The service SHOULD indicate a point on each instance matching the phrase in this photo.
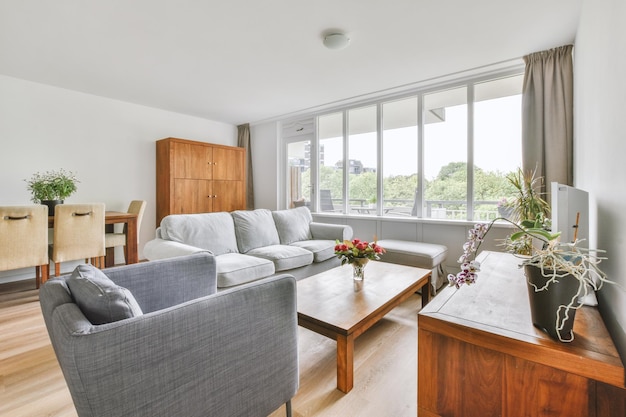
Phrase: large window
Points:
(497, 143)
(362, 159)
(445, 150)
(331, 151)
(400, 157)
(441, 154)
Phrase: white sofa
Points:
(251, 244)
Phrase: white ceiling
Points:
(239, 61)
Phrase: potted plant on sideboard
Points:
(558, 274)
(51, 187)
(527, 205)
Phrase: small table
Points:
(331, 304)
(114, 217)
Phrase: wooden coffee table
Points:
(332, 305)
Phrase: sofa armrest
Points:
(162, 249)
(163, 283)
(189, 359)
(326, 231)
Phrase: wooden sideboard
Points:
(198, 177)
(479, 355)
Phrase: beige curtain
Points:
(243, 141)
(547, 116)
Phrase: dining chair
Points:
(24, 239)
(78, 234)
(111, 240)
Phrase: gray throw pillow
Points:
(100, 299)
(293, 224)
(254, 229)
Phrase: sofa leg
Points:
(288, 408)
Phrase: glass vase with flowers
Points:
(358, 253)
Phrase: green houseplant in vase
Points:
(527, 205)
(51, 187)
(558, 274)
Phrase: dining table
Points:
(111, 218)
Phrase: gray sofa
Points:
(157, 339)
(251, 244)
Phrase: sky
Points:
(497, 138)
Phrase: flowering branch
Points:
(470, 266)
(555, 259)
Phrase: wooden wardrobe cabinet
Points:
(198, 177)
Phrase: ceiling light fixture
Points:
(336, 41)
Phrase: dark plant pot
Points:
(548, 307)
(51, 205)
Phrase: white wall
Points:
(600, 143)
(109, 144)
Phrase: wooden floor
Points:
(385, 366)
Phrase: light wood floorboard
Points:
(385, 366)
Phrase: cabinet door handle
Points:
(17, 218)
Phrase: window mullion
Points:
(419, 193)
(470, 151)
(314, 165)
(346, 162)
(379, 159)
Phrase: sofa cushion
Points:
(293, 225)
(284, 257)
(321, 249)
(211, 231)
(419, 254)
(254, 229)
(236, 268)
(99, 298)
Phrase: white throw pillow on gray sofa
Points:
(211, 231)
(293, 224)
(254, 229)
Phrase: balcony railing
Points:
(434, 209)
